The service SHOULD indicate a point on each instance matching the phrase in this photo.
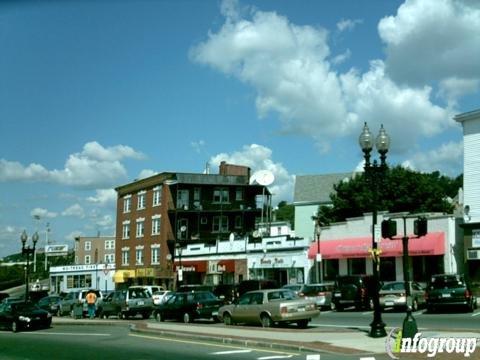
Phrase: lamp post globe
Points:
(366, 139)
(382, 141)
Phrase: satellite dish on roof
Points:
(256, 234)
(183, 228)
(262, 177)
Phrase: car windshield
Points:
(394, 286)
(447, 282)
(205, 296)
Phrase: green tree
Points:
(402, 190)
(285, 212)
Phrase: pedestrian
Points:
(91, 301)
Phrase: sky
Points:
(95, 94)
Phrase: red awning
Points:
(192, 266)
(430, 244)
(226, 266)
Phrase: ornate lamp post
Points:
(27, 250)
(375, 173)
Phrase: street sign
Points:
(377, 233)
(180, 274)
(56, 250)
(319, 257)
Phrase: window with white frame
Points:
(155, 255)
(220, 224)
(220, 195)
(109, 258)
(156, 222)
(126, 230)
(140, 228)
(87, 259)
(109, 244)
(125, 256)
(141, 196)
(139, 256)
(239, 194)
(157, 196)
(88, 245)
(127, 203)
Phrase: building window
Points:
(356, 266)
(79, 281)
(155, 255)
(156, 220)
(141, 200)
(88, 245)
(182, 199)
(239, 194)
(220, 224)
(140, 228)
(87, 259)
(76, 259)
(220, 195)
(109, 244)
(127, 203)
(157, 196)
(109, 258)
(238, 222)
(139, 256)
(196, 194)
(126, 230)
(125, 256)
(203, 220)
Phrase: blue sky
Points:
(94, 94)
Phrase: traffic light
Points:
(420, 226)
(389, 228)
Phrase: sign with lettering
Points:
(56, 250)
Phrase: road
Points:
(452, 321)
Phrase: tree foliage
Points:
(399, 190)
(285, 212)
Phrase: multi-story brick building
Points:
(178, 209)
(94, 250)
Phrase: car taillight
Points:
(301, 294)
(468, 294)
(199, 306)
(321, 293)
(283, 310)
(362, 292)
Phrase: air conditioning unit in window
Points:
(473, 255)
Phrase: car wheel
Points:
(227, 319)
(266, 321)
(146, 315)
(187, 318)
(14, 327)
(103, 315)
(332, 306)
(159, 316)
(72, 313)
(58, 313)
(302, 324)
(121, 315)
(338, 307)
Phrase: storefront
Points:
(76, 277)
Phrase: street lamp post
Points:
(27, 250)
(180, 268)
(375, 173)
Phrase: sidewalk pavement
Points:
(330, 340)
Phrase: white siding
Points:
(471, 180)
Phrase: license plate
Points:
(141, 303)
(446, 295)
(338, 295)
(389, 303)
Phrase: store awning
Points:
(430, 244)
(121, 276)
(192, 266)
(226, 266)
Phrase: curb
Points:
(248, 342)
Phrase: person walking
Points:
(91, 302)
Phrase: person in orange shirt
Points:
(91, 303)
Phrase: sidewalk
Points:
(330, 340)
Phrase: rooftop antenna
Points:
(264, 178)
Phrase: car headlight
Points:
(24, 318)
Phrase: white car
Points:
(159, 297)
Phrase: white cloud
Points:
(342, 57)
(348, 24)
(104, 197)
(71, 236)
(452, 89)
(429, 40)
(145, 173)
(105, 222)
(43, 213)
(75, 210)
(259, 157)
(447, 159)
(94, 167)
(198, 145)
(289, 66)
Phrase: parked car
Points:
(294, 287)
(3, 296)
(225, 292)
(321, 294)
(195, 287)
(189, 306)
(153, 288)
(251, 285)
(160, 297)
(447, 290)
(50, 303)
(267, 307)
(393, 294)
(16, 316)
(71, 302)
(126, 303)
(353, 290)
